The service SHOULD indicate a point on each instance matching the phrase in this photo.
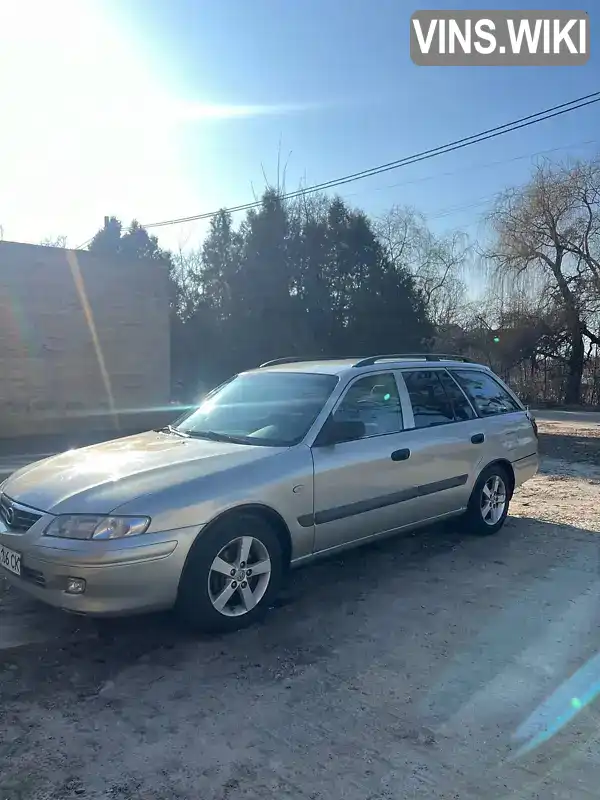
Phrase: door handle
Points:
(401, 455)
(478, 438)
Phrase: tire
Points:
(216, 593)
(483, 523)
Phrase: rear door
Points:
(508, 430)
(446, 442)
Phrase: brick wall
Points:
(84, 340)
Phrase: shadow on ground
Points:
(571, 444)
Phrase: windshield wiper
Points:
(214, 436)
(171, 429)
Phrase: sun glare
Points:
(81, 134)
(90, 128)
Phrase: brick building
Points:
(84, 340)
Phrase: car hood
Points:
(99, 478)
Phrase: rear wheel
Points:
(488, 506)
(232, 575)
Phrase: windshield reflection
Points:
(274, 408)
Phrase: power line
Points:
(458, 144)
(444, 212)
(475, 167)
(84, 244)
(490, 133)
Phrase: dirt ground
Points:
(571, 441)
(434, 665)
(567, 489)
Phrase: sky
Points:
(153, 110)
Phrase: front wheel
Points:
(488, 505)
(232, 575)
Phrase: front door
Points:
(358, 484)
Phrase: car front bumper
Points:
(119, 580)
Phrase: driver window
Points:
(374, 401)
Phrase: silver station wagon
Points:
(277, 466)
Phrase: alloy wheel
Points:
(239, 576)
(493, 500)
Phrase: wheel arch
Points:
(508, 467)
(259, 511)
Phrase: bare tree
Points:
(186, 274)
(436, 263)
(57, 241)
(547, 244)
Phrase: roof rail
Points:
(294, 359)
(288, 360)
(367, 362)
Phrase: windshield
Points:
(268, 408)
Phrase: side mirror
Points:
(336, 431)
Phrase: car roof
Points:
(343, 365)
(324, 366)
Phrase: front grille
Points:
(16, 517)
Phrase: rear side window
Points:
(486, 394)
(463, 410)
(430, 401)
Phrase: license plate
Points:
(10, 560)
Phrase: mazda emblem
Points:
(10, 515)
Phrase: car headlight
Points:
(95, 526)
